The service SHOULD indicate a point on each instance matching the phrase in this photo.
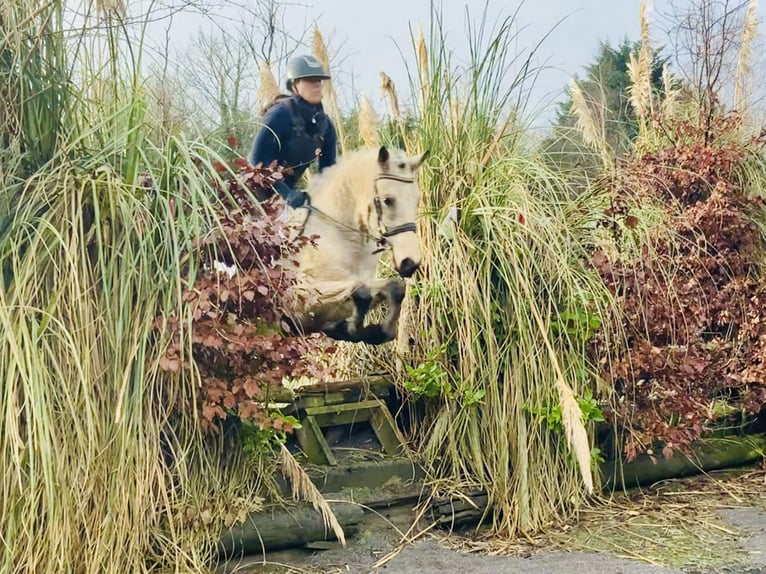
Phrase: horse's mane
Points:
(351, 176)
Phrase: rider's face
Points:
(310, 89)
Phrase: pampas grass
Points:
(330, 99)
(640, 71)
(368, 123)
(268, 89)
(591, 123)
(388, 88)
(423, 70)
(744, 60)
(670, 101)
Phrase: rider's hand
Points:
(293, 197)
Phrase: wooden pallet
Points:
(331, 404)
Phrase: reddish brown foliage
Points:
(694, 312)
(241, 344)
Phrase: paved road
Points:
(378, 537)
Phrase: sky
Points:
(366, 37)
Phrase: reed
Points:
(744, 70)
(100, 468)
(330, 98)
(482, 325)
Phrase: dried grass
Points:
(268, 89)
(676, 523)
(389, 93)
(304, 488)
(744, 60)
(330, 98)
(423, 70)
(368, 123)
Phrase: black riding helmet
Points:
(304, 67)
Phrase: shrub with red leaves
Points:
(694, 311)
(241, 344)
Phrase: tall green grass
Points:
(504, 305)
(98, 230)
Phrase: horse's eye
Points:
(389, 201)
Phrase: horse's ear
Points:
(419, 160)
(383, 155)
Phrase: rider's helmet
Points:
(304, 67)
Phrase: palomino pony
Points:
(361, 207)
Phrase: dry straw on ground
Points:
(676, 523)
(304, 488)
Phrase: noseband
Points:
(385, 232)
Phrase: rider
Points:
(296, 130)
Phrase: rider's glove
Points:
(293, 197)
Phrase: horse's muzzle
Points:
(408, 267)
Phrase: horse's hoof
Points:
(375, 335)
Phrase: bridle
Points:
(385, 232)
(381, 239)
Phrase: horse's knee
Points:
(396, 292)
(362, 297)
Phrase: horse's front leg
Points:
(392, 292)
(339, 309)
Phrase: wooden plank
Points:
(313, 444)
(319, 400)
(378, 381)
(385, 429)
(343, 414)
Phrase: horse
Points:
(359, 208)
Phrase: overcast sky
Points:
(369, 36)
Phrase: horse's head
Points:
(395, 206)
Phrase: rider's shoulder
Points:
(279, 106)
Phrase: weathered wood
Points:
(284, 527)
(384, 426)
(379, 386)
(454, 512)
(320, 400)
(704, 455)
(312, 442)
(362, 478)
(343, 414)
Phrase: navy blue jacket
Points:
(294, 132)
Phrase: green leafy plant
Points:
(578, 321)
(550, 411)
(261, 438)
(428, 380)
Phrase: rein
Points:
(385, 233)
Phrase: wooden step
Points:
(332, 404)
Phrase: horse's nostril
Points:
(408, 267)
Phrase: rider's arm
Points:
(329, 147)
(272, 135)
